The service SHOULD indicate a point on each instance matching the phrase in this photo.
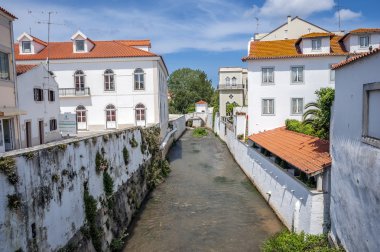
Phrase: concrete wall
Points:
(355, 200)
(316, 75)
(51, 182)
(299, 208)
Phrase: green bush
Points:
(108, 184)
(292, 242)
(126, 155)
(200, 132)
(299, 127)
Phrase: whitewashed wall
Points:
(352, 42)
(298, 207)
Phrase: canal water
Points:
(206, 204)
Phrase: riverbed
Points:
(206, 204)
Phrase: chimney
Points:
(289, 19)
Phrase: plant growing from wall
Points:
(30, 155)
(14, 201)
(8, 167)
(126, 155)
(118, 243)
(76, 144)
(108, 188)
(62, 147)
(94, 140)
(133, 142)
(90, 205)
(55, 177)
(100, 163)
(105, 138)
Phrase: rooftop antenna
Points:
(339, 19)
(257, 24)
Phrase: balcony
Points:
(73, 92)
(236, 86)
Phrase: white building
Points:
(201, 107)
(37, 93)
(232, 88)
(108, 84)
(9, 112)
(355, 149)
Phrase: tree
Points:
(230, 108)
(188, 86)
(318, 113)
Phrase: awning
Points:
(11, 111)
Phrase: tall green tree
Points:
(186, 87)
(318, 114)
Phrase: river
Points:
(206, 204)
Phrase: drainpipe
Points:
(15, 80)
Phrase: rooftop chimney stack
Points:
(289, 19)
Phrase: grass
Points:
(200, 132)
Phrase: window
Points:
(51, 95)
(316, 44)
(139, 79)
(268, 106)
(109, 80)
(53, 124)
(26, 46)
(4, 66)
(140, 112)
(267, 75)
(364, 41)
(81, 114)
(38, 94)
(228, 81)
(332, 74)
(371, 104)
(297, 106)
(111, 113)
(297, 74)
(79, 45)
(79, 80)
(233, 81)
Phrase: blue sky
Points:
(203, 34)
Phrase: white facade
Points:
(355, 215)
(352, 42)
(102, 91)
(201, 107)
(283, 91)
(40, 124)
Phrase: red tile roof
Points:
(307, 153)
(39, 41)
(317, 35)
(279, 49)
(355, 58)
(7, 13)
(365, 30)
(102, 49)
(201, 102)
(144, 42)
(20, 69)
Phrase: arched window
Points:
(110, 113)
(139, 79)
(233, 81)
(79, 80)
(109, 80)
(228, 81)
(140, 112)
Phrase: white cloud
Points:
(347, 14)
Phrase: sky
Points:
(200, 34)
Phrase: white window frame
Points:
(297, 101)
(233, 81)
(140, 112)
(303, 75)
(267, 75)
(366, 138)
(109, 80)
(23, 46)
(138, 81)
(228, 81)
(316, 44)
(360, 41)
(263, 100)
(81, 80)
(81, 113)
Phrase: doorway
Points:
(28, 131)
(41, 131)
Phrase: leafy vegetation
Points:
(8, 167)
(297, 126)
(188, 86)
(100, 162)
(230, 108)
(318, 113)
(292, 242)
(14, 201)
(107, 184)
(133, 142)
(126, 155)
(90, 205)
(200, 132)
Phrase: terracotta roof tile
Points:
(201, 102)
(278, 49)
(307, 153)
(317, 35)
(7, 13)
(365, 30)
(20, 69)
(102, 49)
(355, 58)
(144, 42)
(39, 41)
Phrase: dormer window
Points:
(79, 45)
(26, 46)
(364, 41)
(316, 44)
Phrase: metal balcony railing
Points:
(237, 86)
(74, 92)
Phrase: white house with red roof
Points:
(108, 84)
(37, 93)
(201, 107)
(355, 150)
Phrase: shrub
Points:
(292, 242)
(107, 184)
(100, 162)
(200, 132)
(14, 201)
(126, 155)
(8, 167)
(240, 137)
(299, 127)
(133, 142)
